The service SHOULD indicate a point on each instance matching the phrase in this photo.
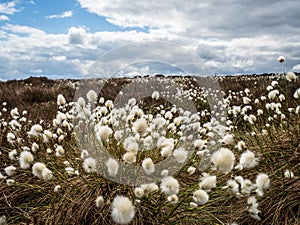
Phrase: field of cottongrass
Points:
(98, 156)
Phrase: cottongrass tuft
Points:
(262, 181)
(173, 199)
(140, 126)
(208, 182)
(180, 155)
(3, 220)
(10, 182)
(26, 158)
(47, 174)
(104, 132)
(169, 186)
(288, 174)
(112, 167)
(297, 93)
(123, 210)
(10, 170)
(290, 76)
(91, 96)
(223, 159)
(248, 160)
(200, 197)
(129, 157)
(61, 100)
(37, 169)
(89, 165)
(148, 166)
(35, 130)
(139, 192)
(99, 201)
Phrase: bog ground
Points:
(75, 155)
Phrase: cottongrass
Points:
(72, 179)
(123, 210)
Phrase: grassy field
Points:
(233, 160)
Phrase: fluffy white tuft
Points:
(169, 186)
(180, 155)
(148, 166)
(200, 197)
(26, 158)
(223, 159)
(37, 169)
(112, 167)
(89, 165)
(248, 160)
(123, 210)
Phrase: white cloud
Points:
(65, 14)
(36, 71)
(296, 68)
(59, 58)
(77, 35)
(8, 8)
(3, 17)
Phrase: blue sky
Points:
(67, 38)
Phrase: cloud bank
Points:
(229, 37)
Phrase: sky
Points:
(79, 38)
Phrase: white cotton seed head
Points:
(10, 170)
(272, 94)
(246, 100)
(47, 174)
(12, 154)
(166, 151)
(149, 188)
(223, 159)
(26, 158)
(37, 169)
(104, 132)
(91, 96)
(140, 126)
(288, 174)
(248, 160)
(208, 182)
(34, 147)
(57, 188)
(99, 201)
(61, 100)
(35, 130)
(10, 182)
(169, 186)
(297, 93)
(191, 170)
(59, 151)
(173, 199)
(129, 157)
(290, 76)
(139, 192)
(199, 144)
(11, 138)
(281, 59)
(123, 210)
(112, 167)
(180, 155)
(155, 95)
(241, 145)
(228, 139)
(262, 181)
(89, 165)
(148, 166)
(200, 197)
